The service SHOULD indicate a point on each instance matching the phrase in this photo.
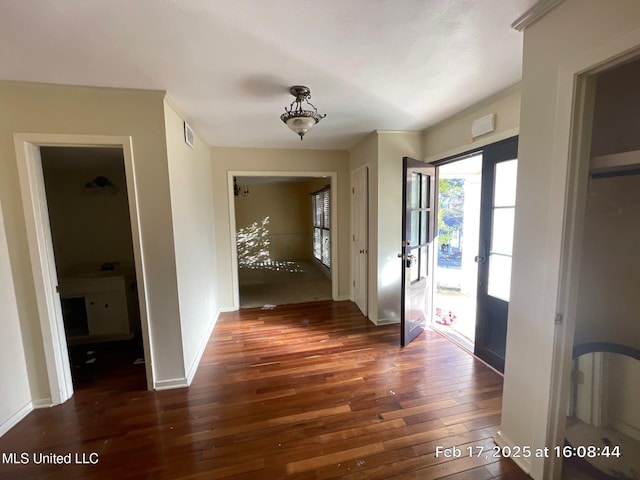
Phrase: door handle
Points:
(482, 257)
(408, 258)
(362, 250)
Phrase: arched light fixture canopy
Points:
(296, 117)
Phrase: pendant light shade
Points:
(296, 117)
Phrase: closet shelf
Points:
(616, 161)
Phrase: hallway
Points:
(300, 391)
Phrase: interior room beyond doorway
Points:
(283, 240)
(88, 210)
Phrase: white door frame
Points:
(333, 176)
(356, 233)
(34, 200)
(574, 112)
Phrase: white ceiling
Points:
(370, 64)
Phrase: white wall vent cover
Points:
(188, 135)
(483, 125)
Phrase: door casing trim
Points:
(27, 148)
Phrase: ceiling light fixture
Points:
(298, 119)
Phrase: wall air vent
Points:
(188, 135)
(483, 125)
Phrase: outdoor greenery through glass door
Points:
(458, 232)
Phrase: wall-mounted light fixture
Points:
(297, 118)
(239, 190)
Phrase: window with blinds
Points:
(321, 226)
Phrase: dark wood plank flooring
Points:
(310, 391)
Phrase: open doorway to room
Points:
(455, 296)
(283, 239)
(88, 208)
(603, 386)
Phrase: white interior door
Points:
(360, 244)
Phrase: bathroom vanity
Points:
(98, 307)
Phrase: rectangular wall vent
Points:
(483, 125)
(188, 135)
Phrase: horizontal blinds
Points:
(321, 204)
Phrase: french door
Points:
(497, 207)
(418, 220)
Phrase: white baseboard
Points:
(387, 321)
(227, 309)
(341, 298)
(13, 420)
(42, 403)
(523, 463)
(203, 345)
(170, 384)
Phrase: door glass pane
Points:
(424, 203)
(415, 190)
(415, 227)
(499, 276)
(415, 264)
(502, 230)
(424, 227)
(505, 184)
(424, 262)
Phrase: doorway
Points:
(604, 380)
(456, 276)
(476, 205)
(88, 209)
(283, 239)
(54, 345)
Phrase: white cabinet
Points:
(100, 308)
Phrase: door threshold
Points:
(463, 343)
(454, 337)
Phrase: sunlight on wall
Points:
(253, 243)
(254, 249)
(390, 272)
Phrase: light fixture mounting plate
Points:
(300, 91)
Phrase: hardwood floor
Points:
(310, 391)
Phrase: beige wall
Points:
(193, 236)
(382, 153)
(576, 35)
(287, 205)
(88, 227)
(281, 161)
(41, 108)
(392, 147)
(453, 136)
(15, 396)
(616, 120)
